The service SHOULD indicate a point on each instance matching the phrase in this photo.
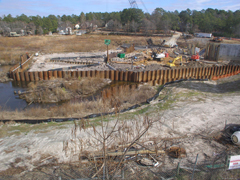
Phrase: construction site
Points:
(165, 118)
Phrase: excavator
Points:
(172, 63)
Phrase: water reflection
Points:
(11, 101)
(8, 100)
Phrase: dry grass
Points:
(56, 90)
(123, 99)
(11, 47)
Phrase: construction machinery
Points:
(173, 63)
(217, 39)
(195, 57)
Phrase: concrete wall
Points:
(229, 52)
(219, 51)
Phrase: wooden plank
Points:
(129, 153)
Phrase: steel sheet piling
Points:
(22, 76)
(26, 76)
(31, 76)
(112, 75)
(45, 75)
(140, 76)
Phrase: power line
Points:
(133, 4)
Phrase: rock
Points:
(146, 162)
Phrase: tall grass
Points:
(123, 99)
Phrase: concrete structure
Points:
(219, 51)
(229, 52)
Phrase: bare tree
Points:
(148, 27)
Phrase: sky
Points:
(69, 7)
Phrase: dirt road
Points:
(173, 40)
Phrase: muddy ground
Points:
(190, 114)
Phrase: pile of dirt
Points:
(58, 90)
(195, 64)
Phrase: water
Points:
(12, 102)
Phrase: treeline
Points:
(218, 22)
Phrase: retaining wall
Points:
(219, 51)
(25, 60)
(154, 77)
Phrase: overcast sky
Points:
(69, 7)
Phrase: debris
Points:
(229, 130)
(236, 138)
(146, 162)
(177, 152)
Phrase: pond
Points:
(11, 101)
